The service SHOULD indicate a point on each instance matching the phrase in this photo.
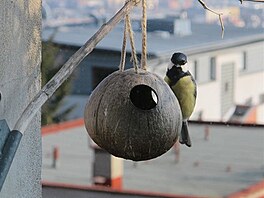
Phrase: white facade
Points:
(238, 80)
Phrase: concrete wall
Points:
(20, 48)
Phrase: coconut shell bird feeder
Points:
(133, 114)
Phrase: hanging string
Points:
(123, 52)
(128, 28)
(144, 35)
(132, 43)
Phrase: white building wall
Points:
(249, 86)
(208, 92)
(208, 100)
(248, 83)
(255, 53)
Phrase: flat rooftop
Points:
(231, 159)
(204, 37)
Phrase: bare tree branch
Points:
(259, 1)
(219, 15)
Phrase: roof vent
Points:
(174, 26)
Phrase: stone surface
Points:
(20, 24)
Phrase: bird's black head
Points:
(174, 74)
(179, 58)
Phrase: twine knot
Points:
(136, 2)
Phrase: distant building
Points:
(229, 71)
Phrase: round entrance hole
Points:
(143, 97)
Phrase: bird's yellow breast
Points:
(185, 90)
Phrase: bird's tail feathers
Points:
(185, 138)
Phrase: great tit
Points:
(184, 87)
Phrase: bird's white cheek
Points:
(184, 69)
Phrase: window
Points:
(261, 98)
(245, 60)
(195, 68)
(226, 87)
(212, 68)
